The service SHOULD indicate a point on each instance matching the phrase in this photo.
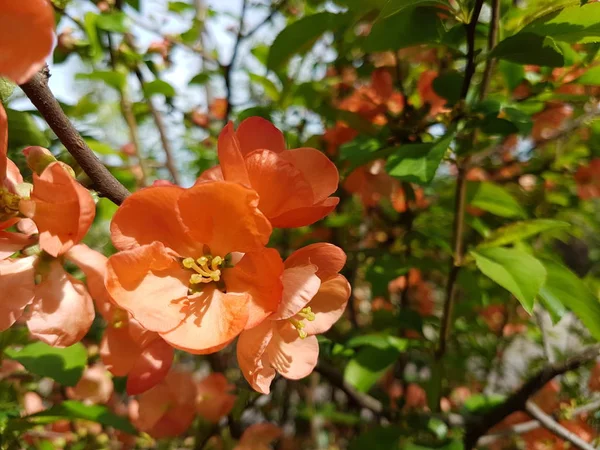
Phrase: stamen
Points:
(299, 325)
(306, 313)
(204, 272)
(9, 203)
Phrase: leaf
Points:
(590, 78)
(24, 131)
(111, 78)
(480, 403)
(494, 199)
(575, 25)
(371, 363)
(116, 22)
(516, 271)
(268, 86)
(100, 147)
(413, 27)
(418, 163)
(448, 85)
(180, 7)
(300, 36)
(381, 341)
(89, 23)
(519, 231)
(362, 150)
(201, 79)
(378, 438)
(395, 6)
(64, 365)
(513, 74)
(530, 48)
(158, 87)
(564, 287)
(71, 409)
(382, 270)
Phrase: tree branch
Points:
(550, 424)
(41, 96)
(492, 40)
(471, 31)
(477, 426)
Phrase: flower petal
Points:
(251, 347)
(64, 209)
(300, 285)
(213, 400)
(292, 357)
(150, 215)
(225, 217)
(17, 287)
(150, 367)
(153, 404)
(329, 259)
(93, 265)
(258, 274)
(231, 158)
(302, 217)
(27, 36)
(149, 283)
(118, 350)
(212, 174)
(259, 436)
(317, 169)
(3, 144)
(280, 185)
(94, 387)
(213, 319)
(11, 243)
(62, 311)
(256, 133)
(328, 305)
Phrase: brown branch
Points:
(477, 426)
(551, 425)
(471, 31)
(228, 69)
(41, 96)
(492, 40)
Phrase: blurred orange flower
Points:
(214, 400)
(259, 437)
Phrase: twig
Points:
(228, 69)
(358, 398)
(492, 40)
(471, 66)
(41, 96)
(477, 426)
(550, 424)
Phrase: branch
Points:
(42, 98)
(228, 69)
(492, 40)
(550, 424)
(358, 398)
(477, 426)
(471, 30)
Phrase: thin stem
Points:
(228, 69)
(42, 98)
(492, 40)
(471, 31)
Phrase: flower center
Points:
(9, 203)
(298, 321)
(207, 269)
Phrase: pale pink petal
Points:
(62, 311)
(251, 347)
(293, 357)
(151, 367)
(300, 284)
(329, 259)
(93, 265)
(16, 289)
(10, 243)
(94, 387)
(328, 305)
(27, 226)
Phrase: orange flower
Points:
(436, 103)
(294, 185)
(167, 409)
(259, 437)
(27, 34)
(218, 108)
(214, 400)
(588, 180)
(94, 387)
(549, 121)
(180, 272)
(371, 183)
(314, 298)
(594, 383)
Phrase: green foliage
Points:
(519, 231)
(495, 199)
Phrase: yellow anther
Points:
(9, 204)
(216, 262)
(198, 279)
(204, 272)
(302, 334)
(188, 263)
(306, 313)
(202, 260)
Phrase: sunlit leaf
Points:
(518, 231)
(494, 199)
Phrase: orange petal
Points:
(13, 242)
(212, 174)
(382, 82)
(256, 133)
(302, 217)
(118, 351)
(3, 143)
(258, 274)
(328, 305)
(149, 283)
(229, 220)
(292, 357)
(317, 169)
(150, 368)
(150, 215)
(213, 319)
(252, 359)
(213, 400)
(64, 209)
(27, 36)
(62, 311)
(93, 265)
(300, 285)
(231, 158)
(153, 404)
(17, 284)
(328, 258)
(259, 436)
(94, 387)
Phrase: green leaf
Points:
(590, 78)
(519, 231)
(116, 22)
(480, 403)
(89, 23)
(382, 270)
(111, 78)
(300, 36)
(201, 79)
(71, 409)
(413, 27)
(64, 365)
(395, 6)
(564, 287)
(378, 438)
(268, 86)
(513, 74)
(575, 25)
(370, 364)
(418, 163)
(530, 48)
(449, 85)
(158, 87)
(362, 150)
(494, 199)
(180, 7)
(100, 147)
(381, 341)
(24, 131)
(516, 271)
